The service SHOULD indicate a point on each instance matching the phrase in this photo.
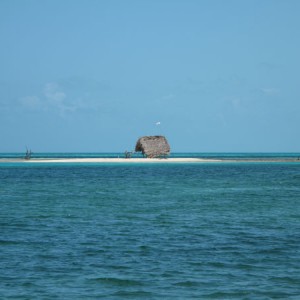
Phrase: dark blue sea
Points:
(228, 230)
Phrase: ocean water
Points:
(150, 231)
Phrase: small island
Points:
(154, 149)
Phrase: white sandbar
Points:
(120, 160)
(142, 160)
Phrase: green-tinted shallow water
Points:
(174, 231)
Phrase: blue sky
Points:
(93, 76)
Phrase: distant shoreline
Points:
(107, 160)
(142, 160)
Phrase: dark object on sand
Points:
(153, 146)
(128, 154)
(28, 154)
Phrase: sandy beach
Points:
(121, 160)
(111, 160)
(143, 160)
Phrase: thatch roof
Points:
(153, 146)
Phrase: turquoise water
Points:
(154, 231)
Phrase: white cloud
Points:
(168, 97)
(62, 99)
(236, 102)
(53, 94)
(31, 102)
(270, 91)
(56, 98)
(52, 98)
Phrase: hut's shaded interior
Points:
(153, 146)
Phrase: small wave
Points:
(286, 280)
(187, 283)
(131, 294)
(4, 242)
(227, 295)
(117, 281)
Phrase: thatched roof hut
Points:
(153, 146)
